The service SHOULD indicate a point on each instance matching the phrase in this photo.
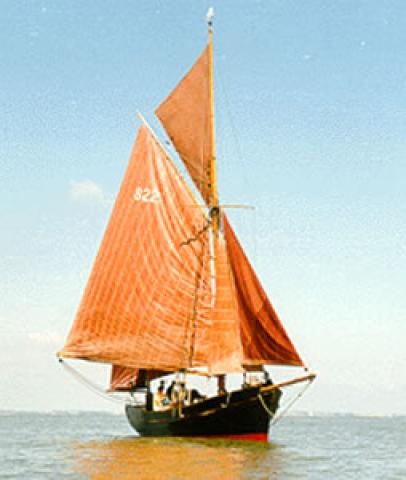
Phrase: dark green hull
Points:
(241, 414)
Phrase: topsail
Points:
(185, 115)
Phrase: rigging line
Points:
(240, 155)
(255, 238)
(264, 405)
(232, 124)
(283, 412)
(90, 385)
(196, 237)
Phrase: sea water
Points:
(102, 446)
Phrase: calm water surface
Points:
(102, 446)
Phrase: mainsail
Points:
(149, 301)
(141, 295)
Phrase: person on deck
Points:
(181, 391)
(169, 390)
(221, 385)
(159, 398)
(196, 396)
(267, 378)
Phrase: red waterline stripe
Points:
(257, 437)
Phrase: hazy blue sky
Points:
(311, 115)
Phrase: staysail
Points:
(185, 115)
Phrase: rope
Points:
(198, 234)
(267, 410)
(234, 132)
(283, 412)
(90, 385)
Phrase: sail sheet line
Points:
(91, 385)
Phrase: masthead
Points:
(209, 16)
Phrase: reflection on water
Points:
(82, 446)
(174, 458)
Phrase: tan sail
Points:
(150, 302)
(141, 295)
(218, 342)
(263, 336)
(123, 378)
(126, 378)
(185, 115)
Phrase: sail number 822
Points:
(146, 195)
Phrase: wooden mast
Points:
(214, 204)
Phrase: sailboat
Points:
(172, 290)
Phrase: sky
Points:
(310, 117)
